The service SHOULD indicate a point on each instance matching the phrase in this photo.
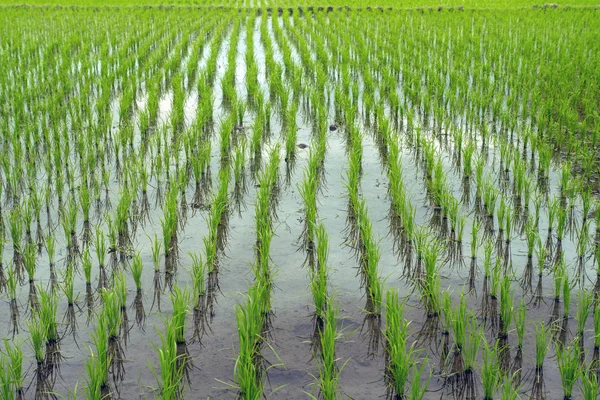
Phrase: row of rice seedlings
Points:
(228, 79)
(260, 130)
(427, 278)
(293, 71)
(253, 318)
(329, 370)
(313, 71)
(287, 100)
(249, 370)
(239, 176)
(278, 93)
(170, 243)
(199, 295)
(401, 361)
(402, 212)
(308, 191)
(205, 271)
(252, 83)
(326, 331)
(314, 104)
(319, 283)
(363, 243)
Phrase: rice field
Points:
(327, 201)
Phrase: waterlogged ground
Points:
(294, 370)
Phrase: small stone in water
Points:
(302, 146)
(333, 127)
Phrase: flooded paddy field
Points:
(299, 202)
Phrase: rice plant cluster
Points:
(288, 200)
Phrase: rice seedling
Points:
(97, 367)
(12, 285)
(16, 234)
(101, 251)
(520, 317)
(559, 273)
(466, 382)
(459, 324)
(137, 267)
(6, 385)
(506, 306)
(86, 263)
(29, 260)
(199, 293)
(584, 301)
(156, 248)
(430, 291)
(532, 238)
(170, 376)
(319, 278)
(447, 321)
(169, 229)
(589, 385)
(69, 319)
(249, 369)
(37, 335)
(14, 355)
(239, 175)
(509, 390)
(329, 370)
(308, 192)
(490, 371)
(180, 300)
(541, 349)
(69, 225)
(112, 318)
(399, 359)
(47, 316)
(120, 289)
(567, 359)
